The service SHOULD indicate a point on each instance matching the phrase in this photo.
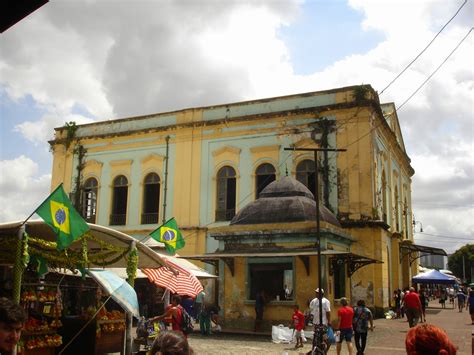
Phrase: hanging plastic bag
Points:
(331, 337)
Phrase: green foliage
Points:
(455, 262)
(71, 129)
(360, 93)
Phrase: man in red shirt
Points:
(344, 317)
(298, 323)
(412, 307)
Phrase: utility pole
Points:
(318, 340)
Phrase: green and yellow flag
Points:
(59, 213)
(170, 235)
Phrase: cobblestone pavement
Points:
(388, 338)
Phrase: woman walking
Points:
(362, 319)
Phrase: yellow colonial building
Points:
(246, 205)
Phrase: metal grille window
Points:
(226, 194)
(265, 174)
(151, 199)
(89, 200)
(119, 201)
(305, 174)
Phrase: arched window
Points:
(305, 174)
(119, 201)
(226, 194)
(151, 199)
(89, 200)
(265, 174)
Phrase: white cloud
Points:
(153, 56)
(21, 189)
(40, 131)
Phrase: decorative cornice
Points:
(151, 157)
(226, 149)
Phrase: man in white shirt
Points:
(314, 306)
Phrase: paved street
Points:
(387, 339)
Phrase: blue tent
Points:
(433, 277)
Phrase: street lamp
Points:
(318, 341)
(417, 222)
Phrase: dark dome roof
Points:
(285, 200)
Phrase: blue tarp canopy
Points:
(433, 277)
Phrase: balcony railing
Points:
(117, 219)
(149, 218)
(225, 215)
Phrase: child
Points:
(298, 323)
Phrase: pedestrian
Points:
(326, 314)
(451, 295)
(362, 318)
(170, 342)
(314, 306)
(442, 299)
(397, 300)
(461, 297)
(345, 315)
(12, 318)
(428, 339)
(214, 313)
(298, 324)
(402, 304)
(424, 303)
(412, 307)
(470, 305)
(174, 313)
(205, 320)
(259, 306)
(198, 301)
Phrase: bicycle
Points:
(323, 348)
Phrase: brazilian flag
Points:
(59, 213)
(170, 235)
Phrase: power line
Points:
(435, 204)
(444, 236)
(399, 107)
(429, 44)
(444, 61)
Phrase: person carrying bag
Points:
(360, 325)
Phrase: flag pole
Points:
(26, 220)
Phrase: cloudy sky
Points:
(88, 60)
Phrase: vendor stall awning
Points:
(354, 261)
(415, 251)
(106, 246)
(433, 277)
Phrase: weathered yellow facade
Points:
(367, 187)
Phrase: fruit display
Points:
(40, 296)
(109, 322)
(114, 315)
(44, 308)
(45, 341)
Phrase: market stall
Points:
(35, 246)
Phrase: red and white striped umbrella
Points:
(182, 282)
